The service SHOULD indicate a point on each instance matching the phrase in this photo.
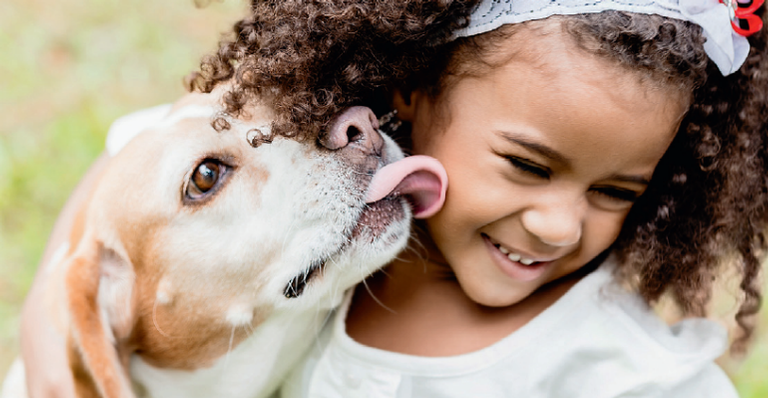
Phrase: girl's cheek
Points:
(606, 228)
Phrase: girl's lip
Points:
(514, 269)
(521, 253)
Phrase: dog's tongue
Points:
(421, 178)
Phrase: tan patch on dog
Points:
(182, 338)
(185, 332)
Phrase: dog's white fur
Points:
(192, 297)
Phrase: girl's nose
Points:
(557, 223)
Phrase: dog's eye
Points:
(204, 178)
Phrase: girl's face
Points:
(545, 156)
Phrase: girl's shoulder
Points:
(598, 340)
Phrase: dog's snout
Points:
(354, 128)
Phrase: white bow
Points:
(727, 49)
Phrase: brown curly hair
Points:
(312, 59)
(706, 204)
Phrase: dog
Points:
(202, 266)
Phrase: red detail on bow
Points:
(744, 14)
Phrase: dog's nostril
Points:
(354, 134)
(355, 125)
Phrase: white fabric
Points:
(597, 341)
(15, 383)
(727, 49)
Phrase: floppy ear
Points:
(101, 304)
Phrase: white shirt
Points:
(596, 341)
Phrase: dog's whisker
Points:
(333, 261)
(288, 234)
(316, 333)
(320, 326)
(229, 349)
(376, 299)
(384, 272)
(154, 321)
(360, 173)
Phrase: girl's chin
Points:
(497, 299)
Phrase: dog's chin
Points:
(377, 219)
(380, 232)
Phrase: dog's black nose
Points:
(355, 128)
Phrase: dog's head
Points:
(193, 236)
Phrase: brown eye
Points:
(204, 178)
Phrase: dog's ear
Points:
(100, 295)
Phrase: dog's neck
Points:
(252, 369)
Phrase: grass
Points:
(68, 69)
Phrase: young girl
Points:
(600, 155)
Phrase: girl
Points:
(600, 156)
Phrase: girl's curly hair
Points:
(312, 59)
(706, 204)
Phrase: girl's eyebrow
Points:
(553, 155)
(541, 149)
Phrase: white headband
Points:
(725, 47)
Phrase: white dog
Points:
(203, 267)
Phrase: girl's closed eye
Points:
(617, 193)
(614, 198)
(606, 196)
(529, 167)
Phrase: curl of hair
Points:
(707, 203)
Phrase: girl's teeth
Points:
(515, 257)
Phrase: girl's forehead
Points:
(548, 49)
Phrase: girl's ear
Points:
(405, 103)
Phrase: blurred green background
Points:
(67, 70)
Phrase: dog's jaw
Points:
(382, 225)
(361, 237)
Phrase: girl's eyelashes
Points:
(611, 196)
(617, 194)
(529, 167)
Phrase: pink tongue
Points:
(420, 177)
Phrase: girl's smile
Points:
(545, 156)
(517, 266)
